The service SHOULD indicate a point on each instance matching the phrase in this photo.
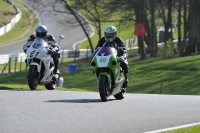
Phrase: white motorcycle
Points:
(40, 65)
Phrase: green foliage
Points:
(169, 50)
(106, 18)
(123, 31)
(193, 129)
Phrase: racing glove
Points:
(120, 59)
(51, 51)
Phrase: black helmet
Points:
(41, 31)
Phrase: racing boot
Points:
(125, 84)
(56, 68)
(26, 62)
(56, 73)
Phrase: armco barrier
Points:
(83, 53)
(73, 54)
(11, 25)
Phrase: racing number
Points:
(36, 54)
(102, 60)
(33, 53)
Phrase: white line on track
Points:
(173, 128)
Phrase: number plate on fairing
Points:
(103, 61)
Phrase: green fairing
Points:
(113, 65)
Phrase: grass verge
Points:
(178, 76)
(5, 10)
(23, 28)
(193, 129)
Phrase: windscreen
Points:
(38, 42)
(105, 51)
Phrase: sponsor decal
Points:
(116, 71)
(36, 46)
(102, 60)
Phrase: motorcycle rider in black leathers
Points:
(41, 31)
(110, 39)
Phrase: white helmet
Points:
(110, 33)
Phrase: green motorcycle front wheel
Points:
(103, 88)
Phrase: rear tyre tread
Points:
(51, 85)
(120, 95)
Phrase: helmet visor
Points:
(41, 34)
(109, 35)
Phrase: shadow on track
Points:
(79, 100)
(18, 89)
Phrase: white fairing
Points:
(103, 61)
(39, 49)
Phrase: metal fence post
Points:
(20, 67)
(4, 68)
(15, 63)
(75, 55)
(87, 52)
(9, 65)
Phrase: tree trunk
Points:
(139, 12)
(179, 26)
(153, 48)
(193, 28)
(76, 15)
(185, 28)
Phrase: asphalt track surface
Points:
(26, 111)
(83, 112)
(56, 25)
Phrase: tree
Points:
(142, 12)
(151, 29)
(166, 6)
(194, 24)
(185, 29)
(97, 12)
(79, 20)
(139, 15)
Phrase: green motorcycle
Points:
(109, 74)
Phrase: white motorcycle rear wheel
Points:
(51, 85)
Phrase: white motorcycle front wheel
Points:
(33, 77)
